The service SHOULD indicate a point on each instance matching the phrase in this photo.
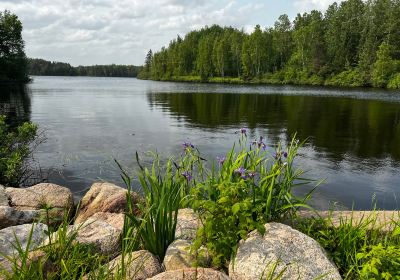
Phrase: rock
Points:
(139, 265)
(300, 255)
(8, 237)
(114, 219)
(191, 274)
(9, 216)
(187, 225)
(100, 234)
(382, 220)
(179, 255)
(4, 199)
(103, 197)
(38, 195)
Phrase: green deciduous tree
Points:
(12, 55)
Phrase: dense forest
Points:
(12, 54)
(41, 67)
(355, 43)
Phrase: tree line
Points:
(354, 43)
(41, 67)
(12, 54)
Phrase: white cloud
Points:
(122, 31)
(307, 5)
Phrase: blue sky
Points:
(85, 32)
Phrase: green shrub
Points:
(380, 262)
(348, 78)
(248, 189)
(394, 82)
(356, 247)
(15, 151)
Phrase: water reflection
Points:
(15, 103)
(339, 127)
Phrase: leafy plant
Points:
(163, 192)
(249, 188)
(380, 262)
(358, 247)
(15, 151)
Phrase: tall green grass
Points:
(361, 248)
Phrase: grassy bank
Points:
(348, 79)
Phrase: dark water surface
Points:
(353, 135)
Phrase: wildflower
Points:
(221, 160)
(241, 171)
(260, 143)
(251, 174)
(242, 131)
(285, 154)
(187, 175)
(187, 145)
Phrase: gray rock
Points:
(103, 197)
(10, 235)
(139, 265)
(188, 223)
(104, 237)
(9, 216)
(191, 274)
(114, 219)
(180, 255)
(4, 199)
(300, 256)
(37, 196)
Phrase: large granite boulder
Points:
(37, 196)
(103, 197)
(298, 255)
(4, 199)
(188, 223)
(180, 255)
(100, 234)
(27, 234)
(139, 265)
(10, 216)
(191, 274)
(114, 219)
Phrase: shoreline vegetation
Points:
(41, 67)
(351, 44)
(237, 220)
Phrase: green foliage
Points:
(394, 83)
(348, 45)
(12, 55)
(164, 188)
(41, 67)
(380, 262)
(15, 151)
(349, 78)
(384, 66)
(361, 250)
(249, 189)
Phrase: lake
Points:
(353, 136)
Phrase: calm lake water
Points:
(353, 135)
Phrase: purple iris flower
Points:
(241, 171)
(187, 145)
(260, 143)
(242, 131)
(221, 160)
(187, 175)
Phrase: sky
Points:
(87, 32)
